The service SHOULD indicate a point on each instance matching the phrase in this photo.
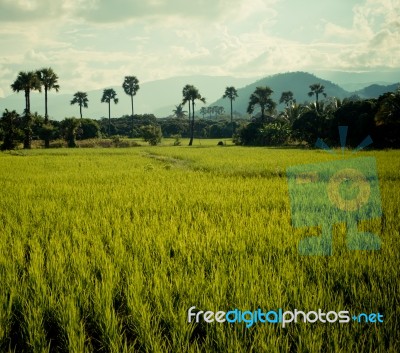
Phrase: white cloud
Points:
(95, 43)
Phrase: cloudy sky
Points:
(93, 44)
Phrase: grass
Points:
(104, 250)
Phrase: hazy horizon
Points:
(91, 45)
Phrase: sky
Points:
(93, 44)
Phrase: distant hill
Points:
(297, 82)
(374, 91)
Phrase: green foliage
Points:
(69, 128)
(81, 99)
(89, 129)
(190, 95)
(151, 134)
(275, 134)
(261, 97)
(107, 252)
(10, 124)
(177, 141)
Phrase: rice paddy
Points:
(105, 250)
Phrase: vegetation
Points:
(231, 93)
(190, 95)
(131, 86)
(81, 99)
(109, 95)
(27, 82)
(261, 97)
(108, 251)
(296, 123)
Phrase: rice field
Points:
(105, 250)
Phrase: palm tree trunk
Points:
(46, 116)
(192, 125)
(46, 119)
(132, 114)
(28, 135)
(109, 118)
(80, 110)
(232, 119)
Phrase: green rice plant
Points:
(105, 250)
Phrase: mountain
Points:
(157, 97)
(354, 81)
(297, 82)
(375, 90)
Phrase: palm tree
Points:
(293, 112)
(316, 89)
(186, 98)
(81, 99)
(27, 82)
(191, 94)
(287, 98)
(231, 93)
(109, 95)
(49, 80)
(261, 97)
(179, 112)
(131, 86)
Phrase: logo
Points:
(339, 191)
(280, 317)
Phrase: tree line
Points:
(297, 123)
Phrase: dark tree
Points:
(261, 97)
(191, 94)
(49, 80)
(131, 86)
(316, 89)
(81, 99)
(231, 93)
(109, 95)
(287, 98)
(27, 82)
(10, 123)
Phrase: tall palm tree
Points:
(109, 95)
(27, 82)
(316, 89)
(186, 99)
(231, 93)
(81, 99)
(49, 80)
(131, 86)
(261, 97)
(191, 94)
